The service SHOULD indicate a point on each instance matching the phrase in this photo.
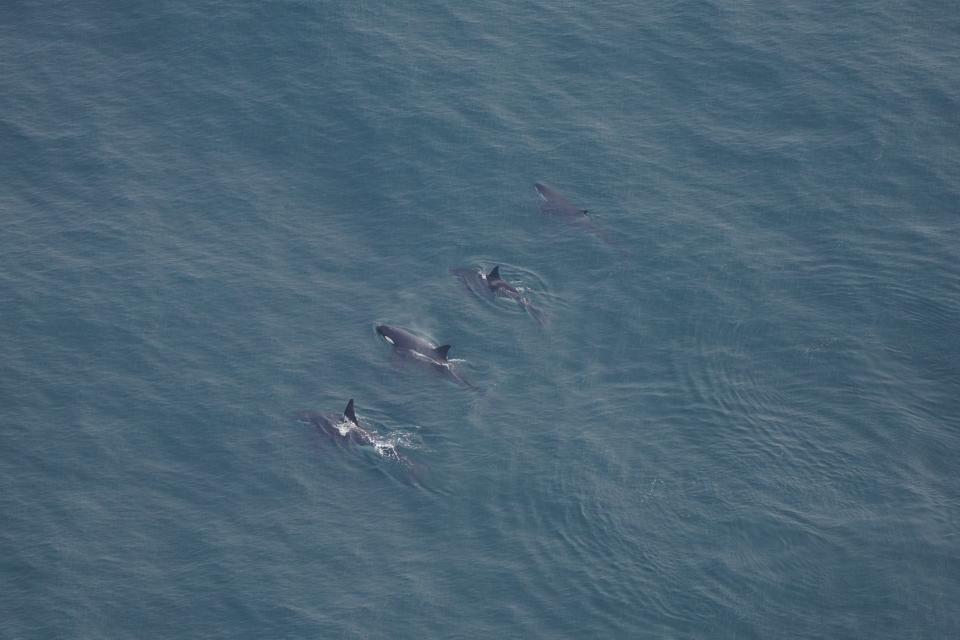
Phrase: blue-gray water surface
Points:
(739, 418)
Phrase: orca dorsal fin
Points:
(442, 351)
(349, 414)
(495, 274)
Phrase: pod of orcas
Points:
(345, 429)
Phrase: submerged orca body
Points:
(422, 350)
(556, 205)
(345, 429)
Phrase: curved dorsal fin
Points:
(349, 414)
(495, 274)
(442, 351)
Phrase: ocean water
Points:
(740, 417)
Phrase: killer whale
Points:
(492, 285)
(500, 287)
(556, 205)
(403, 340)
(345, 429)
(408, 344)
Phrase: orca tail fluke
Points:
(536, 313)
(460, 380)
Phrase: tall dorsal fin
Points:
(349, 414)
(442, 351)
(495, 274)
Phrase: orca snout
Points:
(385, 332)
